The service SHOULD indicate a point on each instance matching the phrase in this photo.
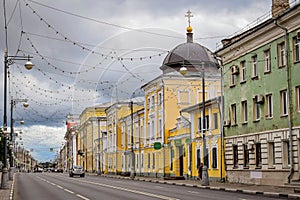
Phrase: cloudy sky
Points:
(90, 52)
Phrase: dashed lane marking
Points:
(69, 191)
(80, 196)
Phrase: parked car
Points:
(77, 171)
(57, 170)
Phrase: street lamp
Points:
(13, 103)
(132, 171)
(8, 60)
(183, 70)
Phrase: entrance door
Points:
(180, 151)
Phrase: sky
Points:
(91, 52)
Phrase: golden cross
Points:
(189, 15)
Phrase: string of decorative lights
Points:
(84, 47)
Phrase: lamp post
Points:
(13, 103)
(8, 60)
(132, 171)
(183, 70)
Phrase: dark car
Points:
(76, 171)
(57, 170)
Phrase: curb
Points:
(251, 192)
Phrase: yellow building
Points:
(210, 138)
(118, 132)
(171, 92)
(90, 137)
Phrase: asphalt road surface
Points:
(57, 186)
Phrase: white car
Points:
(77, 170)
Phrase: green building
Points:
(261, 68)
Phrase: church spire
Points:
(189, 29)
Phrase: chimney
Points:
(279, 6)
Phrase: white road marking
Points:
(59, 186)
(193, 192)
(78, 195)
(69, 191)
(132, 191)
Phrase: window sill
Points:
(246, 167)
(267, 72)
(271, 167)
(254, 77)
(243, 81)
(281, 66)
(231, 86)
(256, 120)
(234, 124)
(258, 167)
(282, 116)
(244, 123)
(269, 118)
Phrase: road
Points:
(56, 186)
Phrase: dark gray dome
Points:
(189, 53)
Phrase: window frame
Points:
(233, 114)
(281, 55)
(269, 106)
(254, 63)
(244, 111)
(235, 156)
(243, 71)
(296, 49)
(297, 93)
(284, 103)
(233, 78)
(267, 61)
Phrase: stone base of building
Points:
(276, 177)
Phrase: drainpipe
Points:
(289, 99)
(164, 128)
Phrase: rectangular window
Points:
(246, 155)
(198, 157)
(199, 124)
(214, 158)
(171, 158)
(298, 98)
(153, 161)
(233, 114)
(142, 160)
(148, 160)
(152, 101)
(258, 159)
(235, 155)
(149, 103)
(296, 49)
(271, 154)
(254, 66)
(243, 71)
(281, 55)
(206, 122)
(256, 110)
(285, 154)
(233, 75)
(244, 112)
(283, 103)
(269, 106)
(267, 60)
(206, 158)
(160, 128)
(216, 121)
(159, 98)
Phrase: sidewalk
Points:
(264, 190)
(6, 194)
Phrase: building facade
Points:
(261, 94)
